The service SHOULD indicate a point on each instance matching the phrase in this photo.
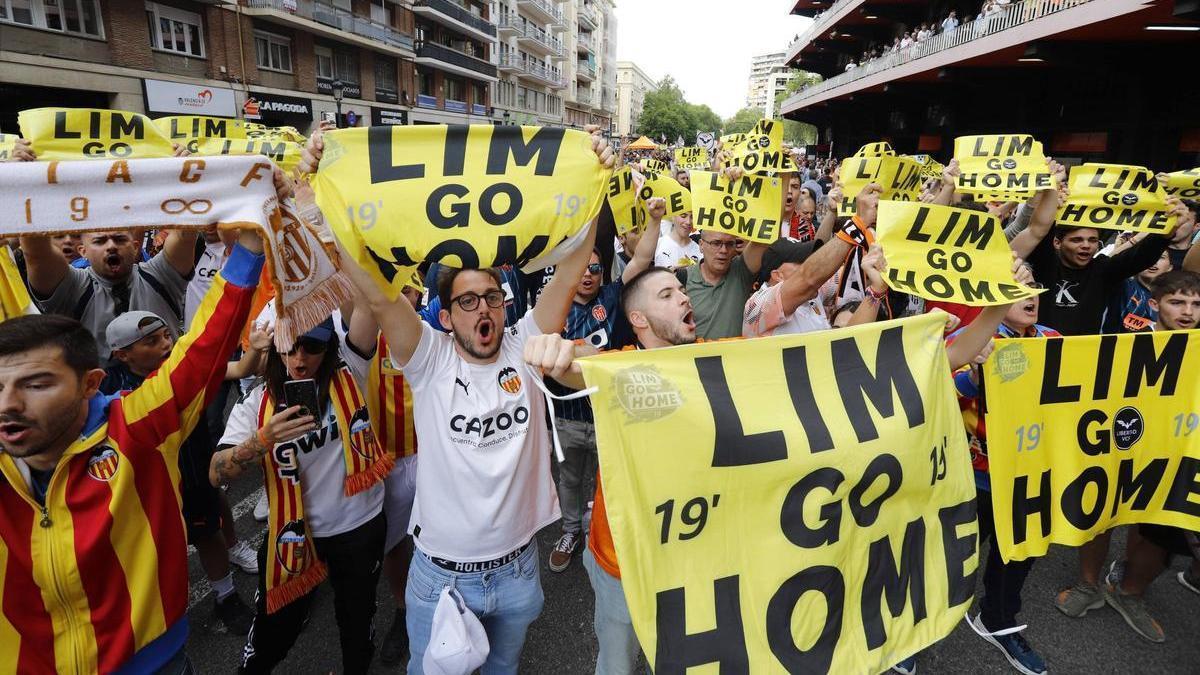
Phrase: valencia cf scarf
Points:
(293, 569)
(390, 402)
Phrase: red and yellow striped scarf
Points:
(292, 565)
(390, 401)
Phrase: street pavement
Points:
(561, 641)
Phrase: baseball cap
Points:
(130, 327)
(322, 332)
(784, 251)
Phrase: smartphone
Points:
(304, 394)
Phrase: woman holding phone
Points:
(307, 424)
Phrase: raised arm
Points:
(832, 201)
(815, 271)
(1045, 207)
(643, 256)
(180, 251)
(45, 267)
(973, 339)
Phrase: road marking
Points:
(200, 589)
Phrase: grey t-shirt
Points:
(153, 286)
(718, 309)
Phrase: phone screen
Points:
(304, 394)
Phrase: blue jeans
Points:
(506, 600)
(619, 647)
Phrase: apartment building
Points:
(406, 62)
(769, 75)
(591, 66)
(632, 85)
(531, 57)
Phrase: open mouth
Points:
(112, 261)
(486, 330)
(689, 320)
(14, 432)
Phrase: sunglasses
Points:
(310, 346)
(595, 268)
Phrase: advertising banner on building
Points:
(178, 98)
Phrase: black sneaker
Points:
(395, 643)
(234, 614)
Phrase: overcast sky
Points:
(706, 45)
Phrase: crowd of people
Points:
(149, 349)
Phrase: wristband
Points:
(262, 440)
(877, 296)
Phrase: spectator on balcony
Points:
(950, 22)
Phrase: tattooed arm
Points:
(229, 462)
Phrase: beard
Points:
(670, 332)
(466, 341)
(50, 437)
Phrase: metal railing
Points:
(538, 35)
(1016, 14)
(588, 13)
(546, 8)
(584, 40)
(458, 14)
(540, 70)
(510, 20)
(585, 69)
(445, 54)
(336, 17)
(819, 24)
(583, 96)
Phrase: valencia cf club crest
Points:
(362, 437)
(103, 463)
(291, 547)
(599, 313)
(509, 381)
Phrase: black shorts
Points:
(201, 501)
(1176, 541)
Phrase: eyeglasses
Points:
(1037, 285)
(595, 268)
(728, 245)
(310, 346)
(470, 301)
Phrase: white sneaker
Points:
(244, 557)
(260, 508)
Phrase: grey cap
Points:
(130, 327)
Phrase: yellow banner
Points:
(14, 297)
(678, 198)
(691, 158)
(1092, 432)
(191, 129)
(465, 196)
(1115, 197)
(748, 208)
(1003, 167)
(255, 130)
(762, 151)
(900, 178)
(86, 133)
(730, 141)
(836, 534)
(285, 154)
(622, 196)
(1183, 184)
(7, 143)
(654, 165)
(946, 253)
(880, 149)
(930, 167)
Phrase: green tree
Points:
(797, 133)
(665, 112)
(743, 120)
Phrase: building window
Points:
(324, 62)
(67, 16)
(345, 66)
(425, 82)
(455, 91)
(385, 75)
(174, 30)
(273, 52)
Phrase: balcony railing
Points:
(478, 109)
(584, 97)
(1016, 14)
(445, 54)
(585, 70)
(511, 61)
(510, 22)
(339, 18)
(545, 10)
(546, 40)
(426, 101)
(447, 8)
(542, 72)
(819, 24)
(589, 17)
(583, 42)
